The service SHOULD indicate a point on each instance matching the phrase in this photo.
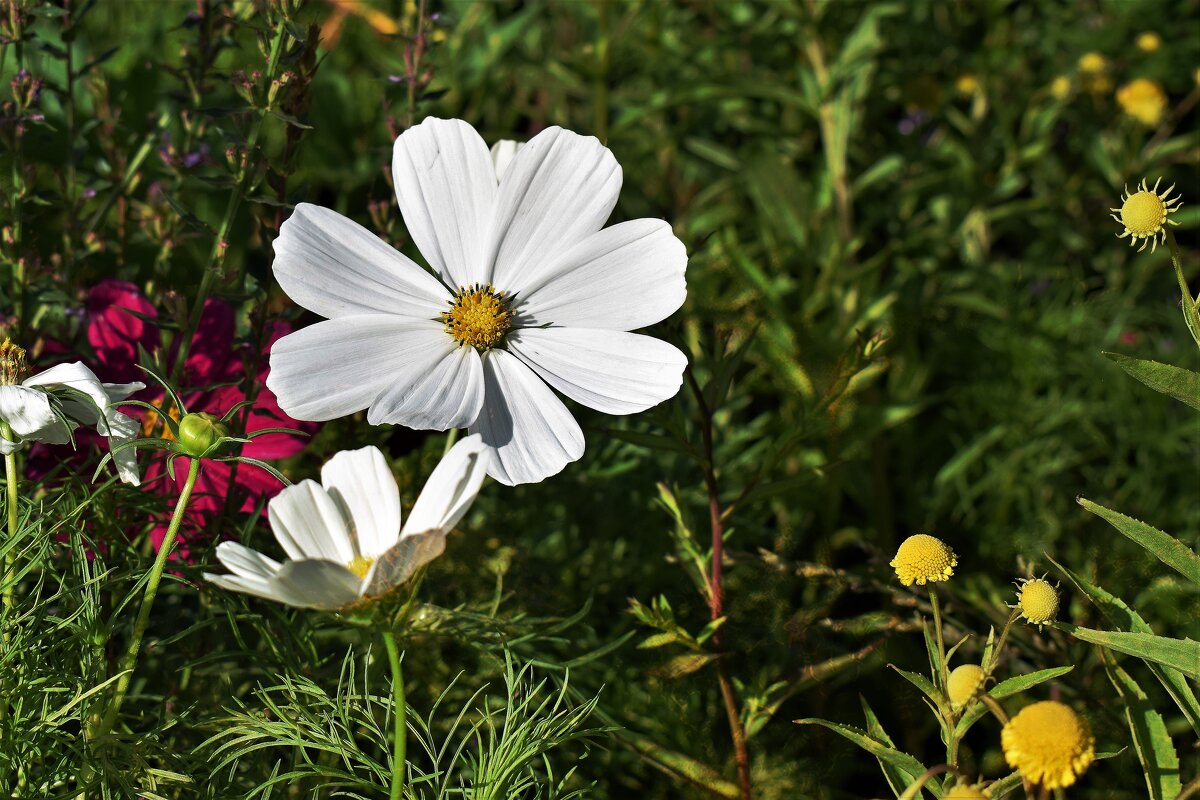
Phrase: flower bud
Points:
(198, 432)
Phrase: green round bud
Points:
(198, 432)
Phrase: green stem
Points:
(937, 625)
(451, 438)
(143, 618)
(1191, 306)
(11, 477)
(401, 714)
(991, 665)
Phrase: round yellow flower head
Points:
(1060, 87)
(963, 791)
(964, 682)
(1037, 600)
(1049, 744)
(1144, 100)
(1148, 42)
(924, 558)
(1093, 62)
(1145, 214)
(966, 85)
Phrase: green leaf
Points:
(1182, 384)
(684, 664)
(922, 683)
(1180, 654)
(1007, 688)
(1122, 616)
(1160, 763)
(905, 763)
(894, 775)
(1172, 552)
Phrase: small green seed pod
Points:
(198, 432)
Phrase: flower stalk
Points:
(129, 661)
(399, 747)
(11, 478)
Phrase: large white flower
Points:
(342, 536)
(27, 408)
(533, 295)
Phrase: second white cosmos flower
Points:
(342, 536)
(533, 294)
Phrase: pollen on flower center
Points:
(360, 566)
(479, 316)
(12, 363)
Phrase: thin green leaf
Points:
(1172, 552)
(1182, 384)
(1160, 763)
(1180, 654)
(896, 778)
(902, 761)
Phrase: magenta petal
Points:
(212, 348)
(114, 333)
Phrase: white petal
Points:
(308, 524)
(503, 153)
(26, 410)
(339, 366)
(119, 391)
(258, 587)
(320, 584)
(445, 391)
(530, 431)
(243, 561)
(362, 485)
(625, 277)
(122, 428)
(399, 563)
(610, 371)
(335, 267)
(559, 188)
(446, 186)
(78, 377)
(451, 488)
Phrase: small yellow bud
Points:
(964, 791)
(1093, 62)
(1060, 87)
(1148, 42)
(963, 684)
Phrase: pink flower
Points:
(120, 319)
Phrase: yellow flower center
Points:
(924, 558)
(152, 421)
(360, 566)
(1049, 743)
(1143, 213)
(479, 316)
(1039, 601)
(12, 363)
(962, 684)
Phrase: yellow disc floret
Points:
(964, 791)
(360, 566)
(963, 684)
(1146, 213)
(922, 559)
(12, 363)
(1144, 100)
(1037, 600)
(1049, 744)
(479, 316)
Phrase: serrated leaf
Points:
(1007, 688)
(905, 763)
(1177, 382)
(1122, 616)
(894, 775)
(1151, 742)
(1172, 552)
(1180, 654)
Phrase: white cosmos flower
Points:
(533, 295)
(342, 536)
(26, 408)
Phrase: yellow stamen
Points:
(152, 421)
(12, 363)
(360, 566)
(479, 316)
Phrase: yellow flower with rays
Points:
(1146, 213)
(1049, 744)
(922, 559)
(1144, 100)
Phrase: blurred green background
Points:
(930, 176)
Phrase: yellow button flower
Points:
(1093, 62)
(923, 558)
(1145, 214)
(1038, 601)
(1049, 744)
(964, 682)
(1060, 87)
(1148, 42)
(964, 791)
(1144, 100)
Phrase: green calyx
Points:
(199, 432)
